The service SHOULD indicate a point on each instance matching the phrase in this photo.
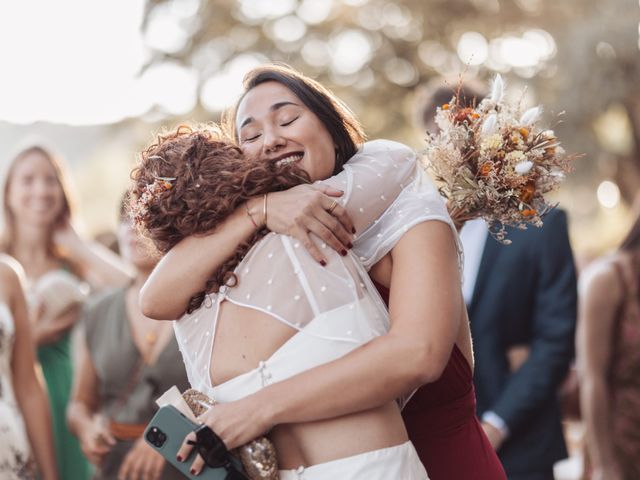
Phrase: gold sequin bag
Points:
(258, 457)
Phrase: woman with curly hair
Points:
(271, 312)
(284, 115)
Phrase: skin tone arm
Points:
(49, 330)
(95, 438)
(600, 295)
(141, 462)
(99, 265)
(30, 396)
(414, 351)
(182, 269)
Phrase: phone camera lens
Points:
(156, 437)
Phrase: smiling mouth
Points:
(294, 157)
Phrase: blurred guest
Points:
(23, 402)
(109, 239)
(126, 361)
(522, 307)
(38, 233)
(608, 351)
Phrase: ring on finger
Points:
(332, 207)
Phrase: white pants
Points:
(398, 462)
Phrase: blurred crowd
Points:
(550, 351)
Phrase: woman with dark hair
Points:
(608, 358)
(403, 250)
(38, 232)
(271, 312)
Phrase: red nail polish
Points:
(343, 252)
(353, 230)
(193, 471)
(179, 458)
(323, 263)
(349, 245)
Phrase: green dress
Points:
(57, 368)
(55, 359)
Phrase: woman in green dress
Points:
(60, 268)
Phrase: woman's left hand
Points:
(141, 463)
(236, 423)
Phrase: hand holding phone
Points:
(166, 433)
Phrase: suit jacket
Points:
(525, 294)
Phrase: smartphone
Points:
(166, 432)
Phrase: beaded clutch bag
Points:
(258, 457)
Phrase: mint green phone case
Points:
(169, 424)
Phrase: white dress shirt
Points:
(474, 238)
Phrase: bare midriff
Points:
(246, 336)
(311, 443)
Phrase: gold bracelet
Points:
(246, 205)
(264, 209)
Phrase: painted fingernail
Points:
(343, 252)
(179, 458)
(349, 245)
(353, 230)
(323, 263)
(193, 471)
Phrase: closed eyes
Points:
(257, 135)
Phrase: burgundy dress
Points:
(442, 424)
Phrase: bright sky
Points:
(79, 61)
(76, 62)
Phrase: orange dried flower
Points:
(526, 195)
(485, 169)
(529, 212)
(524, 132)
(445, 106)
(463, 115)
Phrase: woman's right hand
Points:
(96, 440)
(304, 209)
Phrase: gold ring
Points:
(333, 206)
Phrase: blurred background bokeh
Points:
(96, 79)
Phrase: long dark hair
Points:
(632, 240)
(343, 126)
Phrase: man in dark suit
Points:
(522, 308)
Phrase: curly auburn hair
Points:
(212, 179)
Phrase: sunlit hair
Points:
(632, 240)
(212, 179)
(8, 224)
(343, 126)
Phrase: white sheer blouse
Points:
(334, 309)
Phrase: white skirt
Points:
(398, 462)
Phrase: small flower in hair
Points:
(150, 192)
